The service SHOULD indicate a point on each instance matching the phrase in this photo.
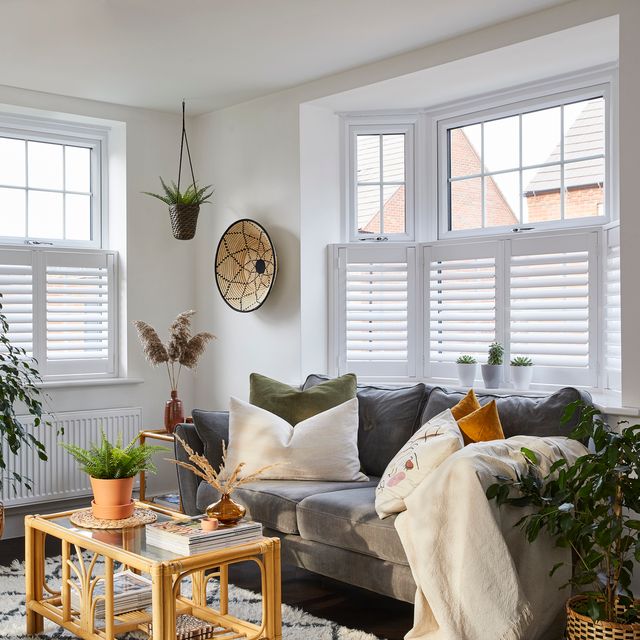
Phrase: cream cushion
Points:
(323, 447)
(424, 452)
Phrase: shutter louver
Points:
(16, 286)
(612, 321)
(377, 299)
(79, 313)
(550, 300)
(461, 312)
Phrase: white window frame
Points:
(57, 132)
(380, 125)
(541, 100)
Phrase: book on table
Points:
(185, 536)
(131, 592)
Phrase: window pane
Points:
(12, 212)
(77, 168)
(45, 165)
(584, 129)
(502, 144)
(394, 210)
(368, 209)
(502, 199)
(368, 158)
(541, 194)
(466, 204)
(77, 217)
(45, 214)
(584, 189)
(541, 137)
(393, 158)
(465, 145)
(12, 162)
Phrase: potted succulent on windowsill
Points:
(591, 506)
(112, 470)
(467, 366)
(184, 206)
(492, 371)
(521, 372)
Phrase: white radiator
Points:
(60, 478)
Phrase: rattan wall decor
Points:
(246, 265)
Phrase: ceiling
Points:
(152, 53)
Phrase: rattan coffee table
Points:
(89, 555)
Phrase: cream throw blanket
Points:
(478, 578)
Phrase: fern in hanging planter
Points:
(184, 206)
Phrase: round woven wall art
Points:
(246, 265)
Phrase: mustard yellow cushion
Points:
(481, 425)
(467, 405)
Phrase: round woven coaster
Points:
(138, 518)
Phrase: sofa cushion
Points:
(519, 415)
(388, 417)
(347, 519)
(295, 405)
(212, 428)
(273, 502)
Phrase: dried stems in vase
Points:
(223, 481)
(182, 350)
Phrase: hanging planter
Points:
(184, 206)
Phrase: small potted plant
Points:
(112, 470)
(492, 371)
(590, 506)
(467, 366)
(521, 372)
(184, 206)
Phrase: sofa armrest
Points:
(188, 482)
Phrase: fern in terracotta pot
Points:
(112, 469)
(592, 507)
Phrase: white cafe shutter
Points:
(551, 306)
(462, 289)
(374, 298)
(80, 312)
(16, 286)
(612, 322)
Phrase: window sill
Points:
(89, 382)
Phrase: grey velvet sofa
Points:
(331, 528)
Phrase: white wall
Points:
(253, 153)
(158, 275)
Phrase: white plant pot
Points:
(492, 375)
(521, 377)
(466, 374)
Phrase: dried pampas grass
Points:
(182, 349)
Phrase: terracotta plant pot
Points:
(112, 498)
(173, 413)
(226, 510)
(209, 524)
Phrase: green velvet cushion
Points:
(294, 405)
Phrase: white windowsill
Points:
(89, 382)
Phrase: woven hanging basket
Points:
(246, 265)
(184, 219)
(581, 627)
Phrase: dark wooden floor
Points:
(322, 597)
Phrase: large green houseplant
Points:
(19, 380)
(592, 507)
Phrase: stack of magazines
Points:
(186, 537)
(131, 592)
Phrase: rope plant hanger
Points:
(184, 207)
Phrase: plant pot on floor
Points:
(581, 627)
(112, 498)
(466, 373)
(492, 375)
(521, 377)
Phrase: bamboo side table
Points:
(163, 436)
(86, 560)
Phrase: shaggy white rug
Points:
(296, 624)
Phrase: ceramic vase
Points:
(173, 412)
